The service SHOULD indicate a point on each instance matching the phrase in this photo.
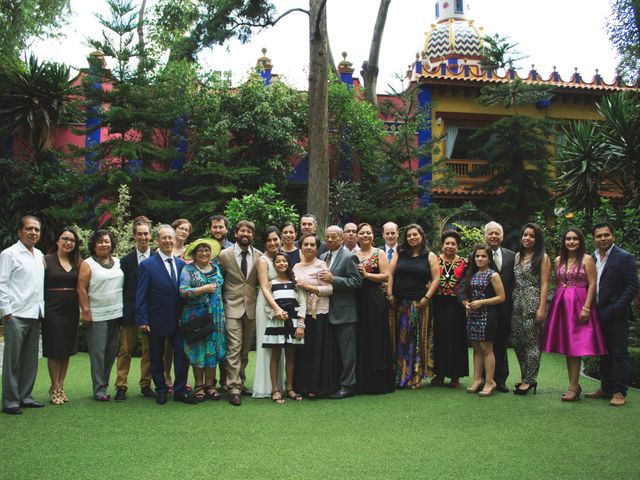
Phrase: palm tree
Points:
(580, 163)
(621, 135)
(38, 98)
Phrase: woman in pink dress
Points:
(572, 326)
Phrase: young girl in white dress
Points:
(285, 325)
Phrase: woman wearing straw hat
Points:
(202, 321)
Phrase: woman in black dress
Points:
(449, 320)
(374, 362)
(60, 326)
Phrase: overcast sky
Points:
(564, 33)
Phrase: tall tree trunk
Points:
(318, 182)
(370, 67)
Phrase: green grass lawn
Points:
(431, 433)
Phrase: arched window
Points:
(459, 6)
(437, 10)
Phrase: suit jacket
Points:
(506, 275)
(346, 280)
(239, 294)
(129, 266)
(157, 301)
(618, 284)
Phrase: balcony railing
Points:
(463, 170)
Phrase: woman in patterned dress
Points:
(449, 322)
(410, 271)
(483, 291)
(374, 360)
(201, 287)
(531, 285)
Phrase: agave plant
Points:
(581, 165)
(38, 98)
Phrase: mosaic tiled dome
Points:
(453, 38)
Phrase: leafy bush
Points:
(471, 236)
(263, 208)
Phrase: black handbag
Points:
(197, 328)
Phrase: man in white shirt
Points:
(21, 308)
(350, 238)
(128, 330)
(390, 234)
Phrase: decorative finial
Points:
(597, 71)
(554, 68)
(264, 51)
(417, 56)
(533, 66)
(345, 65)
(264, 62)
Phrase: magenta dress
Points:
(563, 332)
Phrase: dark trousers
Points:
(614, 367)
(180, 364)
(346, 339)
(503, 331)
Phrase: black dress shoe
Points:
(501, 387)
(234, 399)
(161, 398)
(185, 398)
(33, 404)
(341, 393)
(12, 411)
(246, 392)
(147, 392)
(121, 395)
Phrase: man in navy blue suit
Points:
(158, 307)
(617, 285)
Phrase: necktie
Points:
(173, 272)
(390, 254)
(497, 260)
(243, 263)
(328, 259)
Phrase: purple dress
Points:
(563, 332)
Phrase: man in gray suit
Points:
(503, 262)
(342, 273)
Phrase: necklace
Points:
(204, 269)
(108, 264)
(447, 271)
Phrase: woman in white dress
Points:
(262, 387)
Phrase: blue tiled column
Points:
(424, 136)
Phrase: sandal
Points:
(56, 398)
(212, 393)
(64, 396)
(437, 381)
(199, 394)
(572, 395)
(293, 395)
(276, 396)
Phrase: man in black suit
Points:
(617, 285)
(128, 329)
(342, 273)
(503, 262)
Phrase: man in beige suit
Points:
(239, 269)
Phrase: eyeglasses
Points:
(68, 240)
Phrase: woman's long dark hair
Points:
(472, 268)
(268, 231)
(76, 259)
(404, 247)
(538, 246)
(564, 252)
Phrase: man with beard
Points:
(239, 269)
(219, 227)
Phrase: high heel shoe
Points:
(475, 390)
(487, 393)
(572, 395)
(523, 391)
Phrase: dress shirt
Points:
(168, 265)
(225, 244)
(497, 258)
(237, 253)
(21, 282)
(143, 255)
(355, 250)
(334, 254)
(600, 267)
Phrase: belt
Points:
(61, 289)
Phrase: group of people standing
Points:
(328, 317)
